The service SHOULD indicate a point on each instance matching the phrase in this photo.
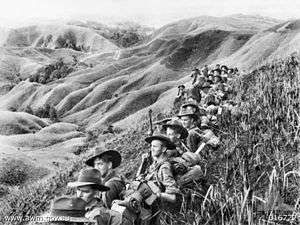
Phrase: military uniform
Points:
(111, 180)
(180, 149)
(195, 75)
(116, 185)
(194, 139)
(161, 174)
(198, 136)
(103, 216)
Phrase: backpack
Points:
(122, 181)
(185, 173)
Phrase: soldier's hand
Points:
(144, 156)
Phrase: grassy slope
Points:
(254, 169)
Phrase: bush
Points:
(34, 198)
(14, 172)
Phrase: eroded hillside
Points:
(113, 85)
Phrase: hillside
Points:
(113, 85)
(252, 174)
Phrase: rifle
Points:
(150, 121)
(146, 159)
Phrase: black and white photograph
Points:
(162, 112)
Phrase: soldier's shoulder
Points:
(166, 165)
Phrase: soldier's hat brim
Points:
(99, 187)
(207, 84)
(115, 158)
(190, 104)
(161, 122)
(205, 126)
(183, 132)
(193, 115)
(219, 76)
(168, 143)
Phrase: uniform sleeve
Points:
(193, 141)
(100, 215)
(104, 216)
(116, 188)
(167, 179)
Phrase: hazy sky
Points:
(152, 12)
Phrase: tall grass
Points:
(255, 172)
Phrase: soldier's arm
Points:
(100, 215)
(193, 141)
(169, 183)
(112, 194)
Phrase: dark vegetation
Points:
(127, 34)
(67, 40)
(16, 172)
(52, 72)
(194, 49)
(123, 34)
(254, 171)
(49, 111)
(126, 38)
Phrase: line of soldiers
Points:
(179, 150)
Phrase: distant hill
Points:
(194, 26)
(57, 36)
(278, 41)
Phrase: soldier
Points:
(224, 68)
(182, 93)
(195, 73)
(66, 211)
(197, 138)
(177, 134)
(189, 120)
(224, 76)
(181, 96)
(205, 70)
(205, 89)
(210, 78)
(161, 174)
(89, 186)
(193, 106)
(209, 139)
(159, 125)
(217, 76)
(106, 161)
(217, 67)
